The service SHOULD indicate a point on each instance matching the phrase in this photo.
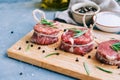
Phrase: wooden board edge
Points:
(49, 66)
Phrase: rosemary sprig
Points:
(116, 46)
(28, 47)
(77, 32)
(107, 71)
(44, 21)
(80, 33)
(51, 54)
(86, 68)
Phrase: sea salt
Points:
(108, 19)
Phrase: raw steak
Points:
(78, 45)
(106, 54)
(44, 34)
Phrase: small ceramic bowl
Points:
(78, 16)
(107, 21)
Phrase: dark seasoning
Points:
(89, 57)
(77, 60)
(65, 30)
(118, 67)
(31, 45)
(56, 49)
(19, 48)
(43, 51)
(20, 73)
(12, 32)
(39, 48)
(27, 42)
(96, 47)
(86, 9)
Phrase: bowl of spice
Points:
(84, 8)
(108, 21)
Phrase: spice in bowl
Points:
(89, 9)
(86, 9)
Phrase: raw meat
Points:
(78, 45)
(106, 54)
(44, 34)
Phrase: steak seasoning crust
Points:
(77, 40)
(44, 34)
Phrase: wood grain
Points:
(65, 62)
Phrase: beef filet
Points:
(78, 45)
(106, 54)
(44, 34)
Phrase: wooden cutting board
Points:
(65, 62)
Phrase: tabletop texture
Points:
(15, 22)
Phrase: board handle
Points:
(42, 14)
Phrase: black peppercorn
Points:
(64, 30)
(96, 47)
(55, 48)
(20, 73)
(39, 47)
(43, 51)
(86, 9)
(89, 56)
(77, 60)
(12, 32)
(82, 11)
(27, 41)
(19, 48)
(31, 45)
(118, 67)
(94, 9)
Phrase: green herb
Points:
(77, 32)
(28, 47)
(116, 46)
(86, 68)
(80, 33)
(107, 71)
(44, 21)
(74, 29)
(51, 54)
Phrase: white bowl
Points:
(108, 21)
(78, 16)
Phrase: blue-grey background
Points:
(16, 16)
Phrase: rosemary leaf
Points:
(44, 21)
(77, 32)
(107, 71)
(86, 68)
(28, 47)
(51, 54)
(116, 46)
(80, 33)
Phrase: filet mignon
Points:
(44, 34)
(106, 54)
(78, 45)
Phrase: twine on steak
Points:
(41, 34)
(42, 14)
